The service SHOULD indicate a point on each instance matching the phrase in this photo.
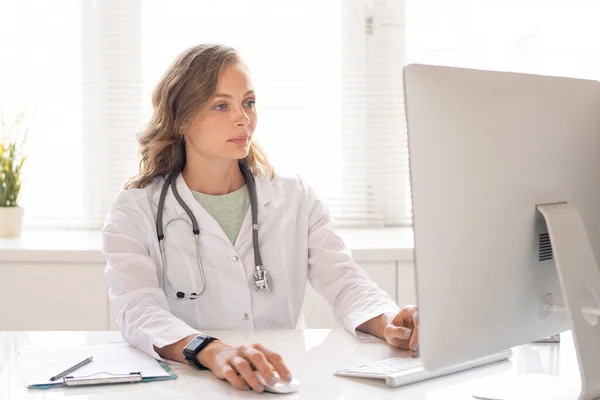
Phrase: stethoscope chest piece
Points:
(261, 280)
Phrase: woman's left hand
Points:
(403, 331)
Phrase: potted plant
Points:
(13, 135)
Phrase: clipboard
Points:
(112, 379)
(112, 363)
(549, 339)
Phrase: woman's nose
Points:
(242, 118)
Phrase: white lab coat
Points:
(297, 243)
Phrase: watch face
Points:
(196, 342)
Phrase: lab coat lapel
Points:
(263, 195)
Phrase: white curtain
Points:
(327, 75)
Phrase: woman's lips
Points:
(240, 140)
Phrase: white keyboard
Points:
(402, 371)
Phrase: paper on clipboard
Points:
(39, 364)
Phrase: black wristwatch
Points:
(194, 347)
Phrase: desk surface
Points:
(312, 355)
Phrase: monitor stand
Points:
(579, 279)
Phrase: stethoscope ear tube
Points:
(253, 210)
(189, 212)
(261, 279)
(161, 207)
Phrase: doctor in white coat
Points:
(197, 147)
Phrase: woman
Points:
(198, 154)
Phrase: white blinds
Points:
(376, 189)
(386, 113)
(112, 102)
(328, 83)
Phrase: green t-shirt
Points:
(229, 210)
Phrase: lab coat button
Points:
(235, 258)
(245, 316)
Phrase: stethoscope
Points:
(261, 279)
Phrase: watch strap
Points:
(190, 353)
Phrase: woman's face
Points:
(223, 128)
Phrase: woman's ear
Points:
(181, 128)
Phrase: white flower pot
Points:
(11, 221)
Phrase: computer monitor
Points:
(495, 159)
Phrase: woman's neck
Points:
(213, 177)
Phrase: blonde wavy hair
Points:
(187, 85)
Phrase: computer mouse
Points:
(280, 386)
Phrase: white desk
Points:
(312, 355)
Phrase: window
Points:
(40, 68)
(548, 37)
(327, 75)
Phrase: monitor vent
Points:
(545, 247)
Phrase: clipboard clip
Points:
(132, 377)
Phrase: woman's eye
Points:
(221, 107)
(250, 103)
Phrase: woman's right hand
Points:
(237, 364)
